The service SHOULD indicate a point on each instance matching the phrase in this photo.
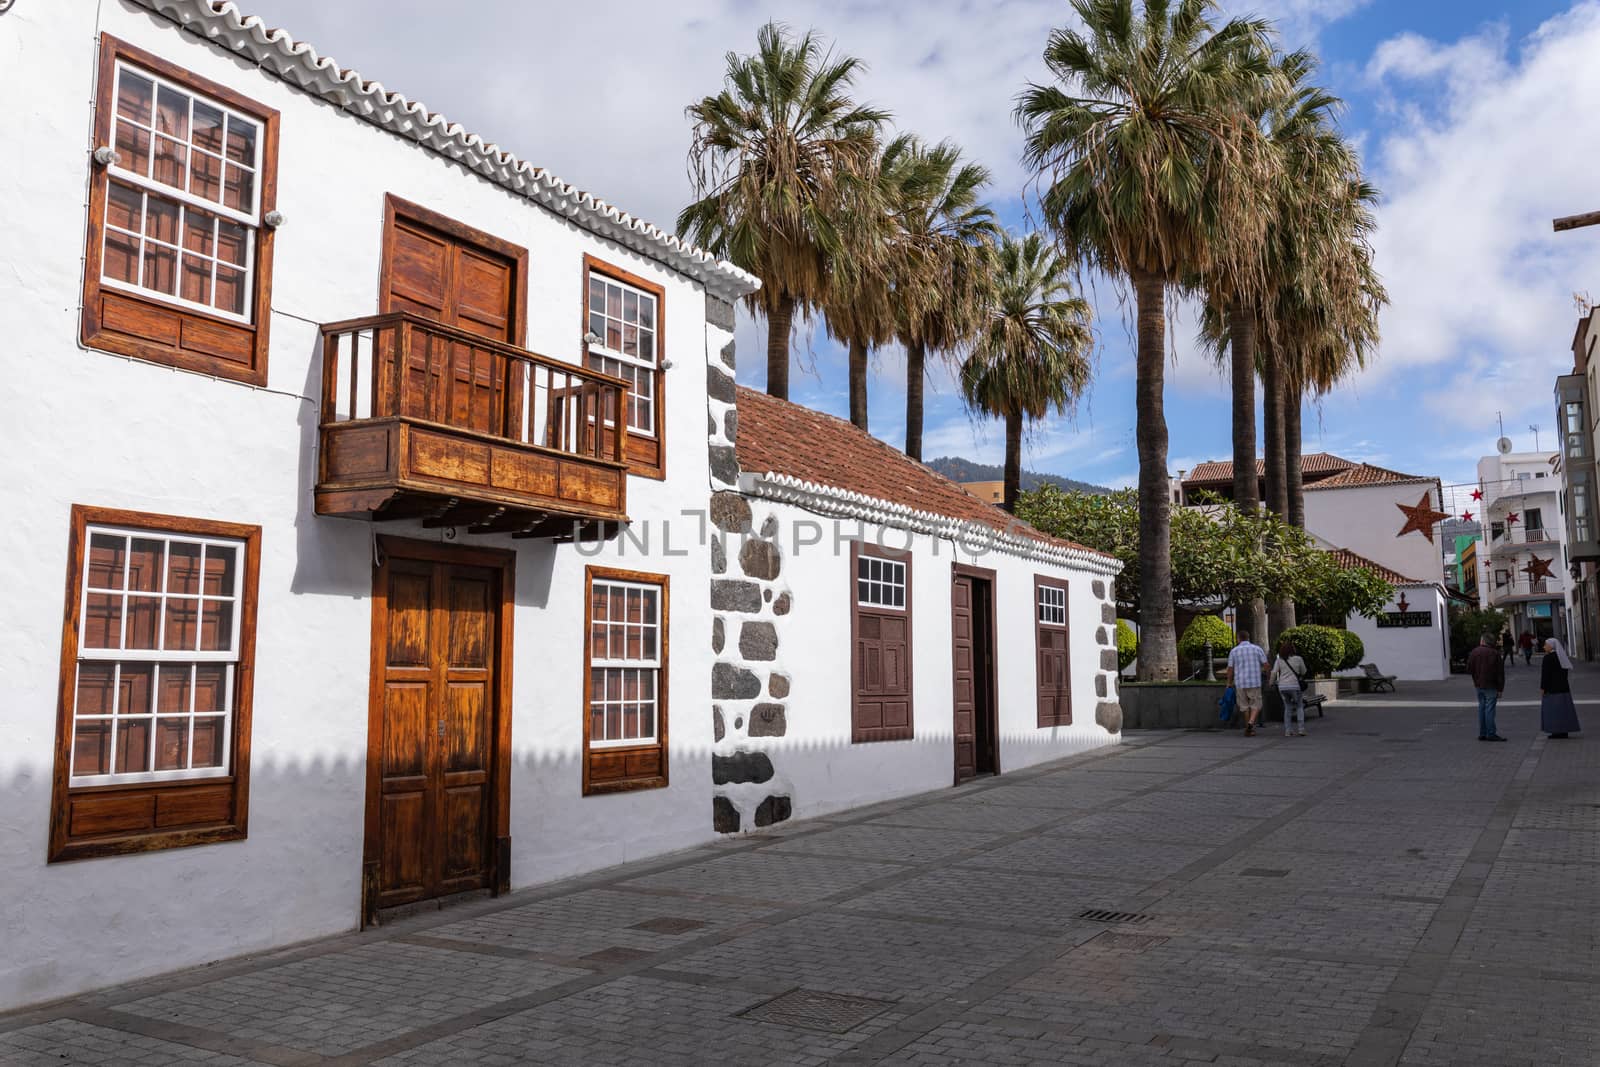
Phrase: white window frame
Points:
(601, 350)
(645, 666)
(1049, 607)
(185, 200)
(877, 579)
(188, 658)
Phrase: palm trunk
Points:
(780, 319)
(1292, 401)
(916, 366)
(1242, 345)
(858, 383)
(1277, 498)
(1013, 475)
(1158, 642)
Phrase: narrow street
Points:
(1387, 890)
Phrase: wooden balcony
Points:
(424, 420)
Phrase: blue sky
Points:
(1474, 118)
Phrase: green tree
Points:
(1150, 171)
(1127, 645)
(776, 157)
(1031, 352)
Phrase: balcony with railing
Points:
(424, 420)
(1514, 539)
(1515, 592)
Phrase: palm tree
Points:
(774, 156)
(1149, 169)
(1031, 350)
(939, 282)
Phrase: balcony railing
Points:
(421, 419)
(1501, 594)
(1517, 537)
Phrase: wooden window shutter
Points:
(1052, 643)
(881, 697)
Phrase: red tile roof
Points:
(1349, 561)
(1366, 474)
(778, 437)
(1221, 471)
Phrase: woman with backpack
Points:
(1288, 674)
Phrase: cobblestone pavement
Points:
(1388, 890)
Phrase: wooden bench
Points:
(1313, 702)
(1377, 678)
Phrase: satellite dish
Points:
(1504, 445)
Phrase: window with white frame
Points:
(625, 644)
(624, 320)
(158, 652)
(183, 200)
(880, 583)
(1052, 605)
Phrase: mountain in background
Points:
(964, 470)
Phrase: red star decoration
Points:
(1511, 518)
(1477, 494)
(1422, 518)
(1539, 568)
(1466, 516)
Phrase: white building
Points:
(1525, 570)
(313, 398)
(1364, 514)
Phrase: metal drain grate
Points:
(1264, 872)
(668, 924)
(811, 1009)
(1102, 915)
(1120, 942)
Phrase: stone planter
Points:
(1328, 688)
(1171, 705)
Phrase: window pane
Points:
(211, 687)
(161, 220)
(239, 190)
(172, 744)
(647, 719)
(647, 312)
(630, 306)
(160, 269)
(97, 683)
(208, 735)
(196, 279)
(647, 347)
(121, 260)
(91, 748)
(207, 128)
(231, 243)
(171, 164)
(241, 141)
(124, 207)
(133, 145)
(205, 175)
(220, 563)
(597, 297)
(172, 695)
(630, 341)
(613, 302)
(230, 291)
(102, 621)
(133, 695)
(182, 618)
(143, 618)
(613, 336)
(172, 113)
(133, 746)
(216, 626)
(107, 555)
(183, 568)
(134, 94)
(198, 231)
(144, 566)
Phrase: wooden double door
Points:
(438, 750)
(973, 655)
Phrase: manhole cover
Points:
(668, 924)
(814, 1010)
(1264, 872)
(616, 954)
(1102, 915)
(1120, 942)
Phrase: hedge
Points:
(1192, 645)
(1322, 647)
(1354, 651)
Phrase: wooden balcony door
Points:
(439, 725)
(972, 654)
(444, 270)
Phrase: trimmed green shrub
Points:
(1192, 645)
(1127, 645)
(1322, 647)
(1354, 651)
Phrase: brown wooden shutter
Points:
(1052, 642)
(880, 662)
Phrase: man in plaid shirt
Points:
(1244, 674)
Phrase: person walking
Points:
(1288, 674)
(1558, 715)
(1488, 672)
(1508, 647)
(1526, 643)
(1244, 674)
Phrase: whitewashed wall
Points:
(1364, 519)
(87, 427)
(815, 763)
(1412, 654)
